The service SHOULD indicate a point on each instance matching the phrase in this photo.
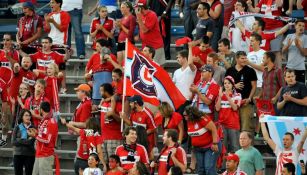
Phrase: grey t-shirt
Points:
(203, 26)
(295, 58)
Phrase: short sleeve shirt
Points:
(283, 157)
(227, 116)
(250, 160)
(296, 60)
(180, 155)
(42, 60)
(200, 136)
(183, 80)
(298, 91)
(266, 39)
(173, 123)
(256, 57)
(202, 27)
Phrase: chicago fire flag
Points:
(146, 78)
(278, 126)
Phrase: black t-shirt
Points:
(202, 27)
(245, 75)
(298, 91)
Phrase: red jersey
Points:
(200, 136)
(203, 57)
(266, 39)
(23, 76)
(115, 173)
(129, 23)
(153, 36)
(110, 128)
(163, 159)
(96, 65)
(108, 24)
(52, 93)
(145, 119)
(237, 172)
(173, 123)
(42, 60)
(140, 155)
(83, 110)
(47, 136)
(211, 91)
(28, 25)
(269, 7)
(33, 104)
(118, 87)
(6, 72)
(88, 139)
(227, 116)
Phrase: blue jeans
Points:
(76, 23)
(206, 160)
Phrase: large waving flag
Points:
(146, 78)
(278, 126)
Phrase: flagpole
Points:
(124, 88)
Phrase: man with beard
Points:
(204, 27)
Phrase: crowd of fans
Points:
(229, 75)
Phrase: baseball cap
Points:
(28, 5)
(232, 156)
(207, 67)
(83, 87)
(140, 3)
(136, 98)
(182, 41)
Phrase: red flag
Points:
(146, 78)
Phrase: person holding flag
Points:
(287, 154)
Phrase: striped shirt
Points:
(272, 81)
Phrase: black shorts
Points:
(121, 46)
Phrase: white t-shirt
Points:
(92, 171)
(183, 80)
(69, 5)
(257, 58)
(285, 157)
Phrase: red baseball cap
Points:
(140, 3)
(183, 40)
(232, 156)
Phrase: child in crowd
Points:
(114, 164)
(92, 169)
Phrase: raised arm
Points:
(190, 58)
(266, 136)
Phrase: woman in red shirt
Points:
(126, 25)
(102, 27)
(170, 119)
(204, 139)
(228, 103)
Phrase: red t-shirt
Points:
(110, 128)
(270, 24)
(95, 65)
(6, 72)
(153, 36)
(227, 116)
(23, 76)
(129, 23)
(140, 155)
(83, 110)
(180, 155)
(46, 138)
(108, 25)
(33, 1)
(115, 173)
(88, 139)
(145, 118)
(28, 25)
(228, 9)
(118, 87)
(42, 60)
(266, 39)
(173, 123)
(33, 104)
(200, 136)
(203, 57)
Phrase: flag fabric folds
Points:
(146, 78)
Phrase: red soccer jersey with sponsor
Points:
(200, 136)
(145, 118)
(96, 65)
(108, 24)
(203, 57)
(88, 139)
(237, 172)
(269, 7)
(23, 76)
(28, 25)
(153, 36)
(47, 136)
(33, 103)
(110, 128)
(140, 155)
(42, 60)
(266, 39)
(83, 110)
(227, 116)
(173, 123)
(180, 155)
(6, 72)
